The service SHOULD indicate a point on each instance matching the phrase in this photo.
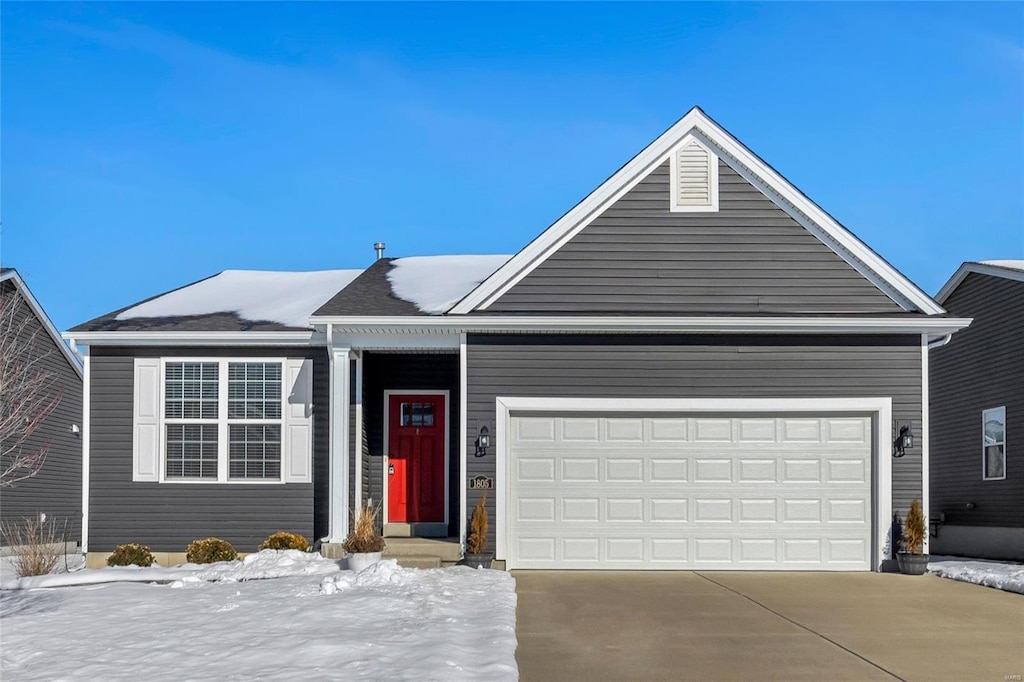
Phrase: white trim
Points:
(44, 319)
(979, 268)
(880, 408)
(674, 205)
(338, 482)
(1000, 408)
(86, 434)
(694, 122)
(463, 435)
(133, 338)
(925, 435)
(385, 341)
(358, 445)
(437, 324)
(447, 445)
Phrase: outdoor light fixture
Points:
(903, 442)
(483, 441)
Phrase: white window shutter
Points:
(146, 421)
(297, 466)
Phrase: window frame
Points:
(223, 421)
(984, 445)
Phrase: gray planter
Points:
(478, 560)
(912, 564)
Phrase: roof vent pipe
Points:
(379, 248)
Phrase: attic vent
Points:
(694, 178)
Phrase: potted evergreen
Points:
(364, 544)
(911, 559)
(477, 555)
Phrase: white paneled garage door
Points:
(603, 491)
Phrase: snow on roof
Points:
(288, 298)
(436, 283)
(1011, 264)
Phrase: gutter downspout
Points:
(941, 341)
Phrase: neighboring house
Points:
(56, 490)
(977, 416)
(695, 367)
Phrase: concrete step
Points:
(446, 550)
(413, 561)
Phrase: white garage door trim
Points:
(879, 408)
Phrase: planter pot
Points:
(912, 564)
(359, 561)
(478, 560)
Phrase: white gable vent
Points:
(694, 178)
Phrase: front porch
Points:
(396, 433)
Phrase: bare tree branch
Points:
(28, 391)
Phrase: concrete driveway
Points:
(764, 626)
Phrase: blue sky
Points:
(149, 145)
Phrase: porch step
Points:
(447, 550)
(413, 561)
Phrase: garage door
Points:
(605, 491)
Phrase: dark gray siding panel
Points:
(982, 367)
(697, 367)
(639, 257)
(401, 371)
(167, 516)
(57, 489)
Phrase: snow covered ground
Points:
(1003, 575)
(233, 621)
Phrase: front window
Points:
(222, 420)
(993, 444)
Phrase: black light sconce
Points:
(483, 441)
(904, 441)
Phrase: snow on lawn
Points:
(1003, 575)
(288, 298)
(386, 622)
(436, 283)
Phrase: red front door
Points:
(416, 438)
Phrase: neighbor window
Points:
(216, 419)
(993, 444)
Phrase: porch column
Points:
(339, 418)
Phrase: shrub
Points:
(130, 554)
(35, 546)
(914, 529)
(476, 543)
(210, 550)
(364, 537)
(283, 540)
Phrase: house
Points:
(977, 416)
(694, 367)
(38, 367)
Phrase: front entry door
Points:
(416, 445)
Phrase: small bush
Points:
(210, 550)
(364, 537)
(35, 545)
(130, 554)
(476, 543)
(283, 540)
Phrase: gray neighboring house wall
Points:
(981, 368)
(57, 489)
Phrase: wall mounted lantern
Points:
(483, 441)
(904, 441)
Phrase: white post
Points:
(463, 426)
(339, 426)
(86, 433)
(925, 427)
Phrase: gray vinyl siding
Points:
(982, 367)
(672, 366)
(57, 489)
(748, 257)
(167, 516)
(412, 371)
